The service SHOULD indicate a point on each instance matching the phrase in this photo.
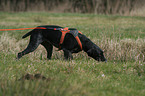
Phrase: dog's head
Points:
(96, 53)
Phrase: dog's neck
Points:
(86, 43)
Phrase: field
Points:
(121, 37)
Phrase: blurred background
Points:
(117, 7)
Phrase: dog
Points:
(50, 35)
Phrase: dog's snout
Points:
(104, 59)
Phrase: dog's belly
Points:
(75, 50)
(53, 37)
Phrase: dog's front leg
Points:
(67, 54)
(49, 48)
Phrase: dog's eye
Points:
(101, 54)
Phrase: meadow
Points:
(121, 37)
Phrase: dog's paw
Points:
(18, 56)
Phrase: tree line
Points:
(76, 6)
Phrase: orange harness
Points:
(64, 31)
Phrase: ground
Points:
(121, 37)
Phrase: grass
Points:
(121, 37)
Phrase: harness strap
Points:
(62, 37)
(79, 42)
(64, 31)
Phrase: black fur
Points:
(49, 38)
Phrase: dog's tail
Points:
(27, 34)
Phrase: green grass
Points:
(121, 37)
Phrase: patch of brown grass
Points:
(123, 49)
(9, 44)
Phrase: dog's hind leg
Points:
(48, 48)
(35, 40)
(67, 54)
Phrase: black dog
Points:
(48, 37)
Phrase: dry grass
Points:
(138, 12)
(9, 44)
(122, 49)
